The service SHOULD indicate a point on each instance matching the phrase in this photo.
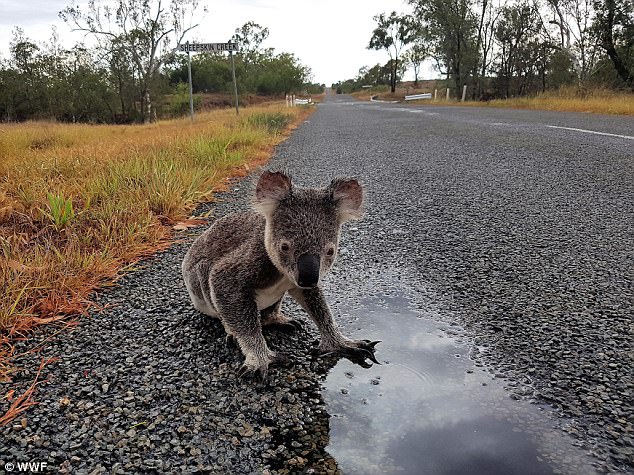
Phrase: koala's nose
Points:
(308, 270)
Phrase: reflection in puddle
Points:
(428, 410)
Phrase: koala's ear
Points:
(348, 196)
(272, 187)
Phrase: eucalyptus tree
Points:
(516, 34)
(250, 37)
(574, 19)
(418, 52)
(452, 27)
(392, 33)
(614, 30)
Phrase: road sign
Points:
(208, 47)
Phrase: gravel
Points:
(521, 234)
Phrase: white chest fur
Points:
(268, 296)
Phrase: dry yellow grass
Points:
(597, 101)
(79, 202)
(570, 99)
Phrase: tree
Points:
(519, 51)
(574, 19)
(614, 30)
(584, 46)
(452, 30)
(392, 34)
(418, 52)
(250, 37)
(49, 82)
(146, 30)
(376, 75)
(282, 74)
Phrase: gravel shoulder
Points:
(523, 237)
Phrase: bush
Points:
(272, 122)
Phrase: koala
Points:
(240, 269)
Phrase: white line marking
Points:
(419, 111)
(592, 132)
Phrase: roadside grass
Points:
(568, 99)
(596, 101)
(78, 203)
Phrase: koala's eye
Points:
(330, 252)
(285, 247)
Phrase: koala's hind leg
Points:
(241, 319)
(332, 341)
(273, 316)
(197, 288)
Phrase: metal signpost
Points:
(208, 48)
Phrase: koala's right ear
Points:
(272, 187)
(348, 196)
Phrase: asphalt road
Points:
(520, 224)
(509, 226)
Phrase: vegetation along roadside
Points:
(569, 99)
(78, 203)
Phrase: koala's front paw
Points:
(356, 351)
(259, 368)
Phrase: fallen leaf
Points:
(188, 223)
(247, 430)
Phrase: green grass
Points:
(273, 122)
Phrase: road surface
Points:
(494, 260)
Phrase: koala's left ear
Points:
(347, 194)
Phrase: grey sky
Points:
(329, 36)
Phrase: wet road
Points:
(496, 234)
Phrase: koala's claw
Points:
(281, 359)
(360, 354)
(356, 351)
(259, 374)
(297, 324)
(370, 344)
(289, 326)
(230, 341)
(360, 350)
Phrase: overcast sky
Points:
(329, 36)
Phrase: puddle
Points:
(429, 410)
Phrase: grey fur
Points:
(240, 268)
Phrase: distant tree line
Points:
(130, 72)
(258, 70)
(510, 48)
